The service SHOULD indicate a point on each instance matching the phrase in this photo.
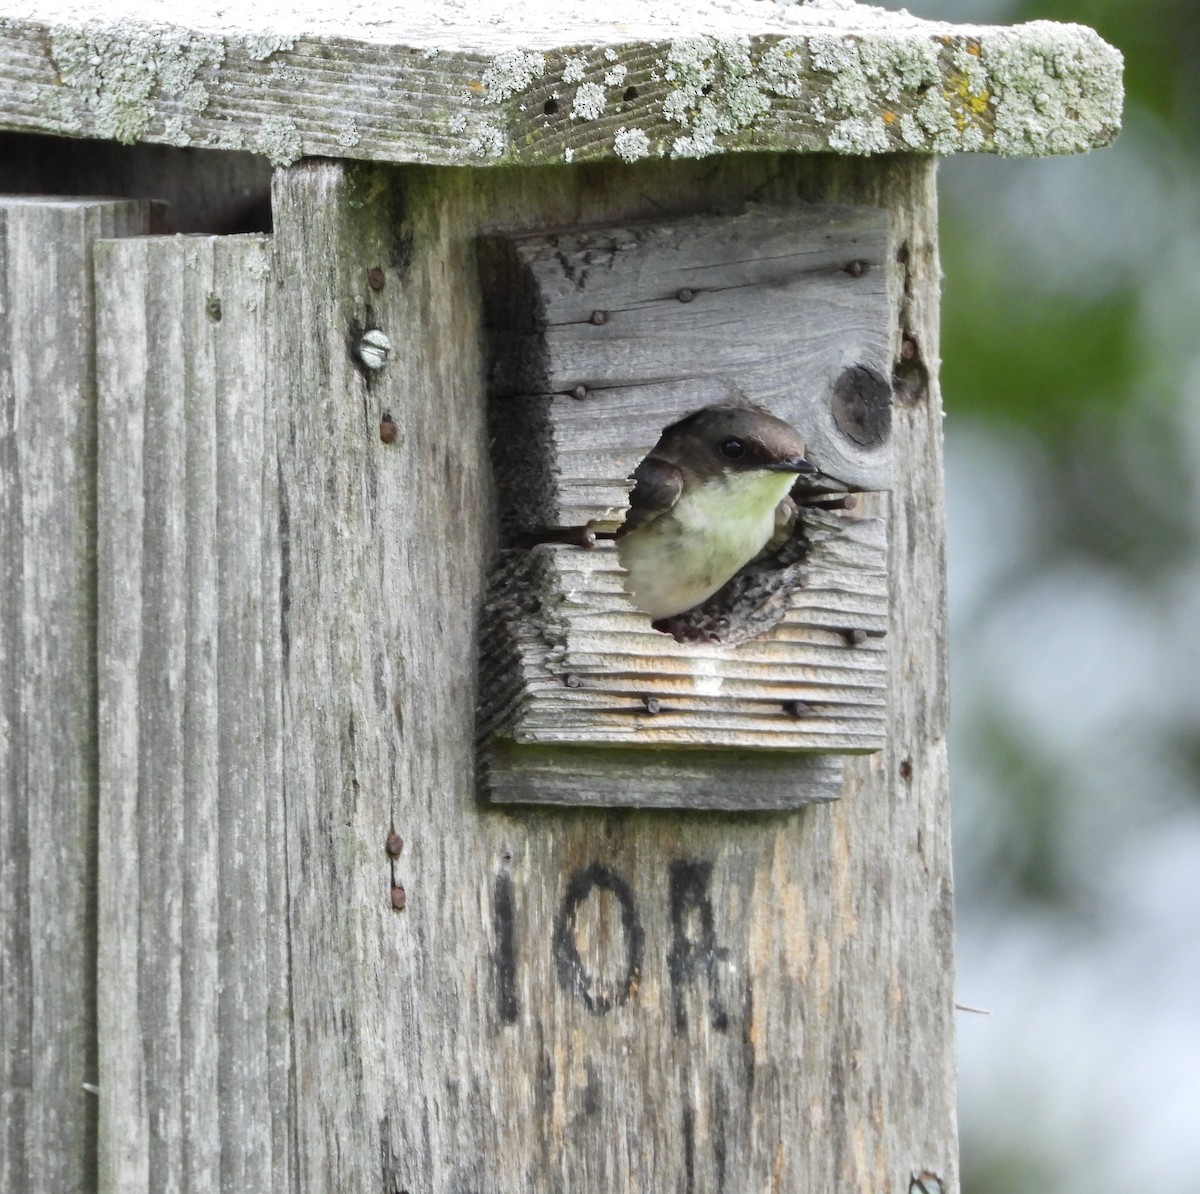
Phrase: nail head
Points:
(394, 843)
(376, 278)
(399, 898)
(599, 317)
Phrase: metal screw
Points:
(599, 317)
(388, 430)
(376, 278)
(399, 898)
(579, 392)
(685, 295)
(855, 637)
(797, 709)
(653, 705)
(856, 268)
(572, 681)
(394, 843)
(925, 1182)
(374, 348)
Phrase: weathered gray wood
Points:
(575, 999)
(193, 980)
(777, 305)
(48, 687)
(712, 781)
(492, 82)
(568, 660)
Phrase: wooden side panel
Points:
(193, 995)
(48, 687)
(576, 998)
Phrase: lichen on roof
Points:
(479, 82)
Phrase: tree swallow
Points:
(709, 496)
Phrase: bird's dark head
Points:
(729, 438)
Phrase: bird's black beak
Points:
(793, 464)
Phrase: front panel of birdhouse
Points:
(598, 339)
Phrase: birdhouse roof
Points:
(491, 82)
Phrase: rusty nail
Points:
(797, 708)
(599, 317)
(855, 268)
(376, 278)
(855, 637)
(653, 705)
(906, 770)
(579, 392)
(685, 295)
(572, 681)
(394, 843)
(388, 430)
(399, 898)
(908, 348)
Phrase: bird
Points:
(707, 499)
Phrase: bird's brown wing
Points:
(658, 484)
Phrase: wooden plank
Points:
(709, 780)
(569, 659)
(491, 83)
(193, 997)
(572, 997)
(48, 687)
(783, 307)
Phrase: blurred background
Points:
(1071, 377)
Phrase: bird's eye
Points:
(733, 448)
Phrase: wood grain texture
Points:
(777, 306)
(492, 84)
(653, 321)
(48, 687)
(568, 660)
(574, 998)
(193, 996)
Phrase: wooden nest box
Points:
(311, 323)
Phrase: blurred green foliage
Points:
(1071, 346)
